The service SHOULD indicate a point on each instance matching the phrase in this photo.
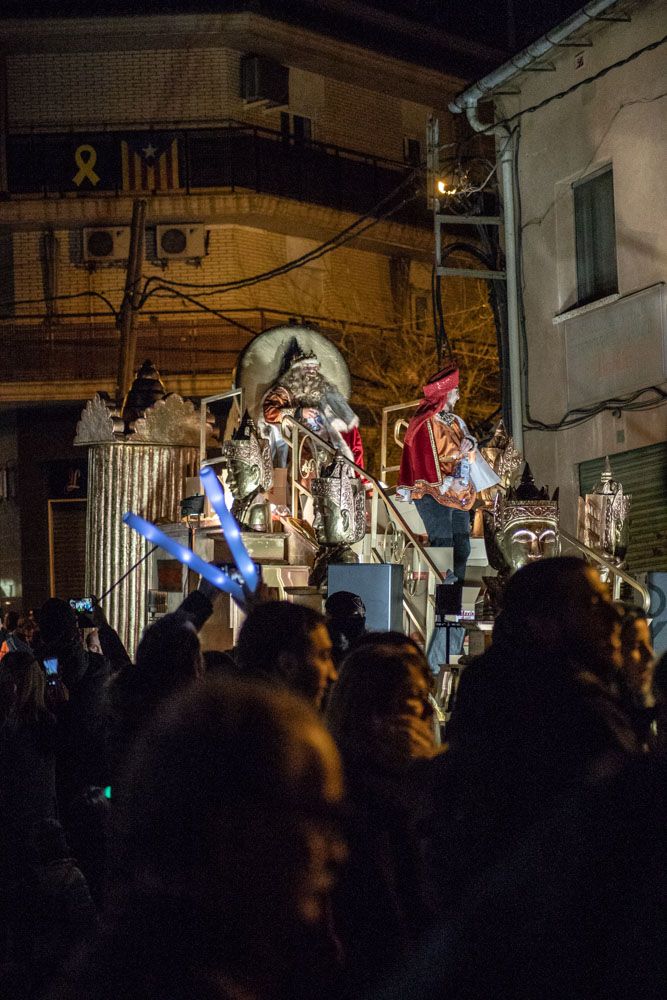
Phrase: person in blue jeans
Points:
(441, 472)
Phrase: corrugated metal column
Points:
(147, 479)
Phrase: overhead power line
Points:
(156, 285)
(351, 232)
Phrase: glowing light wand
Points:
(230, 528)
(185, 556)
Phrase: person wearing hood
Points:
(168, 660)
(346, 621)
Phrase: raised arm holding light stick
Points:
(188, 558)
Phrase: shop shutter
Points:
(643, 473)
(67, 547)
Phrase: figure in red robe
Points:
(441, 468)
(441, 472)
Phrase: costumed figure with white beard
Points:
(301, 391)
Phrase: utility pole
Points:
(131, 300)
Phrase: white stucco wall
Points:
(621, 119)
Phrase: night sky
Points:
(503, 25)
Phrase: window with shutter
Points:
(595, 236)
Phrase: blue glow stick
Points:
(184, 555)
(231, 530)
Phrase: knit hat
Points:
(345, 604)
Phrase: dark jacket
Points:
(55, 914)
(163, 948)
(27, 784)
(578, 913)
(130, 699)
(525, 732)
(112, 647)
(82, 719)
(379, 904)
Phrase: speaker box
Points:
(380, 586)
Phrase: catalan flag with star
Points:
(149, 162)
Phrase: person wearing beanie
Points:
(346, 621)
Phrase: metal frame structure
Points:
(237, 396)
(395, 543)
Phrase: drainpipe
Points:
(506, 175)
(506, 170)
(467, 102)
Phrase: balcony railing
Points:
(236, 156)
(91, 351)
(270, 162)
(71, 349)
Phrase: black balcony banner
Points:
(87, 163)
(55, 164)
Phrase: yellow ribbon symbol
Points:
(86, 171)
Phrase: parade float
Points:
(270, 474)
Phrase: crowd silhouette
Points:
(289, 820)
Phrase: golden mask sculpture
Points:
(522, 526)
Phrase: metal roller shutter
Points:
(643, 473)
(67, 547)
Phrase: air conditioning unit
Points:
(186, 241)
(107, 244)
(264, 81)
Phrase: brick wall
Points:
(101, 90)
(347, 284)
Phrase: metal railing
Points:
(392, 541)
(233, 156)
(618, 574)
(385, 469)
(207, 406)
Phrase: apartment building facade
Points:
(253, 142)
(586, 112)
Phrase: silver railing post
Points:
(618, 573)
(294, 445)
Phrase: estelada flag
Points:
(149, 161)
